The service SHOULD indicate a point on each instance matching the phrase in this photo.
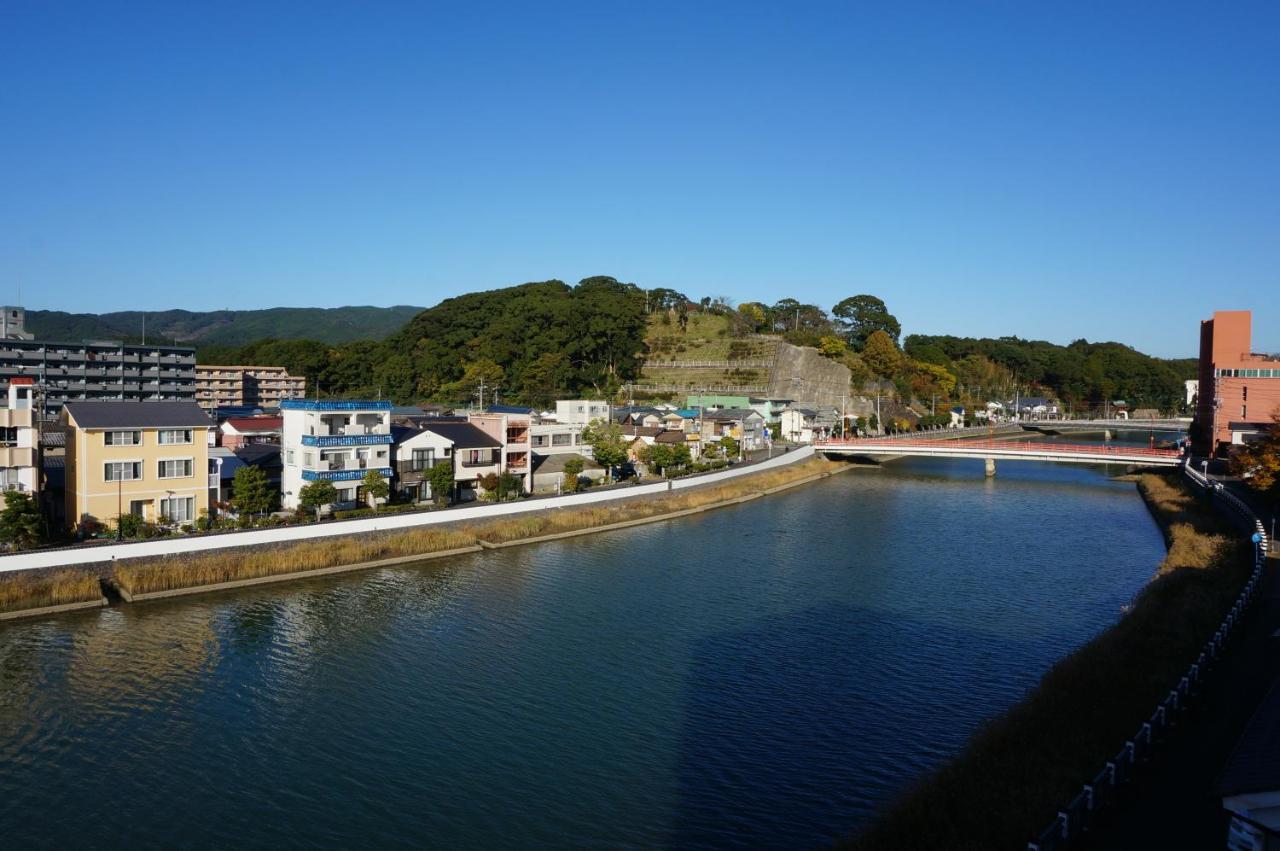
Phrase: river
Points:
(764, 675)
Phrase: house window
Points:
(562, 439)
(288, 457)
(138, 507)
(175, 468)
(123, 438)
(179, 509)
(122, 471)
(8, 435)
(170, 436)
(444, 453)
(423, 459)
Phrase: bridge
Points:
(1110, 425)
(993, 450)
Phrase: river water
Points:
(764, 675)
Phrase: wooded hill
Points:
(224, 327)
(540, 341)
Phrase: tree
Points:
(573, 468)
(250, 491)
(1260, 460)
(881, 354)
(440, 478)
(608, 447)
(862, 315)
(317, 494)
(375, 487)
(21, 525)
(729, 445)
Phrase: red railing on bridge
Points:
(1006, 445)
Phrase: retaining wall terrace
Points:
(100, 553)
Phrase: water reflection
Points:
(764, 674)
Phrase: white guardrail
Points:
(1074, 819)
(99, 553)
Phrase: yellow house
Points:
(144, 458)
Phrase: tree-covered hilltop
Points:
(1081, 374)
(224, 327)
(531, 343)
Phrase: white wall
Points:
(171, 546)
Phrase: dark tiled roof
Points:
(138, 414)
(669, 436)
(259, 454)
(732, 414)
(243, 424)
(509, 409)
(462, 435)
(555, 463)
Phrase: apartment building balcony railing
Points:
(346, 440)
(341, 475)
(214, 480)
(483, 462)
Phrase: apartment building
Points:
(20, 440)
(99, 370)
(1239, 389)
(512, 431)
(246, 386)
(333, 440)
(145, 458)
(581, 411)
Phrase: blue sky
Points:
(1098, 170)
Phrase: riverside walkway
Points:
(992, 450)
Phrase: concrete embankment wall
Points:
(98, 554)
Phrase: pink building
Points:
(1239, 389)
(512, 431)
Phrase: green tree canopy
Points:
(315, 495)
(861, 315)
(375, 487)
(251, 493)
(21, 525)
(608, 446)
(440, 477)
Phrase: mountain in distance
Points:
(331, 325)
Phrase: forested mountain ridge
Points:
(224, 327)
(532, 343)
(1081, 374)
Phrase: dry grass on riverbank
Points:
(170, 573)
(35, 590)
(1012, 777)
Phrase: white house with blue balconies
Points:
(338, 440)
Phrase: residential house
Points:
(333, 440)
(581, 411)
(742, 424)
(235, 432)
(957, 418)
(150, 459)
(511, 430)
(472, 452)
(797, 425)
(20, 466)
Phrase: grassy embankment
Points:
(38, 589)
(144, 576)
(1015, 773)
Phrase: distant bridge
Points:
(1051, 426)
(993, 450)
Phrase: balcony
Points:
(346, 440)
(341, 475)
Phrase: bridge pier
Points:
(990, 467)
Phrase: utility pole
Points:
(844, 415)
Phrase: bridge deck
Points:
(1009, 449)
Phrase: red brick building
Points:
(1239, 389)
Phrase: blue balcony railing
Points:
(334, 405)
(347, 440)
(342, 475)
